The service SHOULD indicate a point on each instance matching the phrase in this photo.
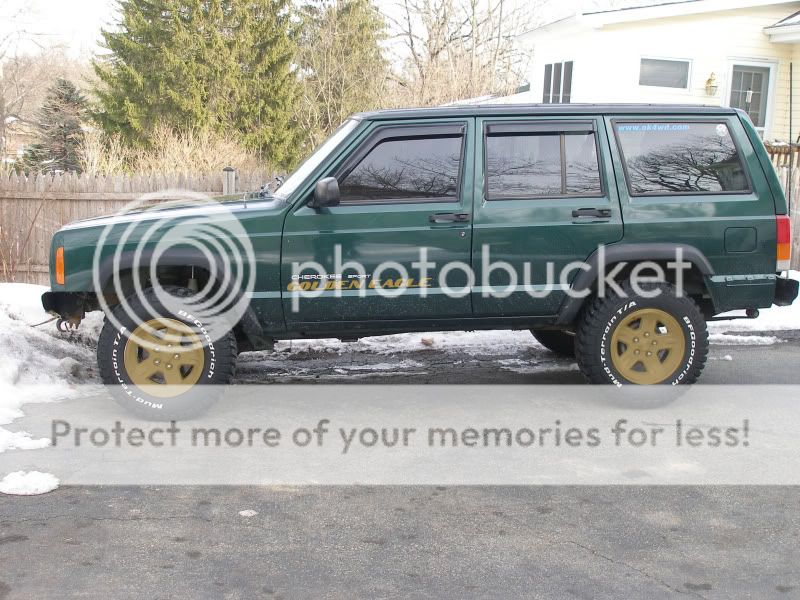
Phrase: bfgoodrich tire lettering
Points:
(599, 359)
(218, 362)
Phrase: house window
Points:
(557, 83)
(664, 73)
(749, 91)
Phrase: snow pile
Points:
(474, 343)
(20, 440)
(28, 483)
(36, 364)
(727, 339)
(403, 364)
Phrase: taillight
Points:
(784, 239)
(60, 265)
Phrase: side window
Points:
(406, 169)
(547, 164)
(680, 158)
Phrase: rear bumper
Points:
(785, 291)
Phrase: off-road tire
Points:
(598, 320)
(556, 341)
(218, 369)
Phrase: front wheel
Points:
(162, 364)
(655, 337)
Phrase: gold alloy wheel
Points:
(647, 346)
(164, 356)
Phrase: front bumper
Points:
(67, 305)
(785, 291)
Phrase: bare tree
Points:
(24, 81)
(341, 63)
(26, 76)
(458, 49)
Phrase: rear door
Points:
(545, 198)
(405, 190)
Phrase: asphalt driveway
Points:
(415, 541)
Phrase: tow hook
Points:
(66, 325)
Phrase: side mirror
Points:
(326, 193)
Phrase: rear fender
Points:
(587, 278)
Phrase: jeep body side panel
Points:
(734, 231)
(530, 231)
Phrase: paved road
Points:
(422, 541)
(430, 542)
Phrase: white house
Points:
(719, 52)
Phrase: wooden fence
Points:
(32, 209)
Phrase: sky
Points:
(76, 24)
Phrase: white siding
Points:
(606, 60)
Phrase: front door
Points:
(404, 188)
(546, 199)
(750, 91)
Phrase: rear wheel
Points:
(634, 339)
(556, 341)
(163, 365)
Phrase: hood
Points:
(185, 207)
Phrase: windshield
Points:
(316, 158)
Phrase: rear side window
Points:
(680, 158)
(548, 164)
(417, 169)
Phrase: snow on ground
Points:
(36, 355)
(777, 318)
(727, 339)
(28, 483)
(475, 343)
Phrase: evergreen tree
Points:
(343, 69)
(58, 130)
(194, 64)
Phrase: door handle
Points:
(449, 218)
(603, 213)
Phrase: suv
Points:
(612, 232)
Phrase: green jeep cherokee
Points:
(612, 232)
